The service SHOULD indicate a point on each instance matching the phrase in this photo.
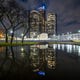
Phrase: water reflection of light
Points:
(51, 59)
(62, 46)
(22, 54)
(39, 55)
(59, 46)
(41, 73)
(54, 46)
(74, 48)
(34, 49)
(34, 57)
(51, 64)
(2, 49)
(42, 46)
(78, 50)
(22, 49)
(69, 48)
(35, 70)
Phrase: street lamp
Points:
(11, 31)
(78, 31)
(22, 34)
(10, 34)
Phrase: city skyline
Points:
(67, 12)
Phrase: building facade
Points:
(42, 23)
(34, 23)
(51, 24)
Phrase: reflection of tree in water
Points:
(7, 62)
(23, 60)
(42, 58)
(11, 65)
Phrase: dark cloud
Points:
(76, 3)
(24, 0)
(71, 23)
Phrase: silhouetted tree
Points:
(2, 15)
(28, 26)
(11, 14)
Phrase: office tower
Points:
(51, 24)
(34, 23)
(42, 19)
(40, 22)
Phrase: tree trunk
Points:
(6, 38)
(12, 36)
(25, 34)
(22, 39)
(12, 51)
(6, 31)
(29, 26)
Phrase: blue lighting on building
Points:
(43, 7)
(41, 73)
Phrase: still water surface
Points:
(40, 61)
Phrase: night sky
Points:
(68, 12)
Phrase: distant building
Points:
(51, 24)
(42, 36)
(39, 23)
(42, 19)
(34, 23)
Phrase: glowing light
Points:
(63, 46)
(69, 48)
(11, 31)
(22, 49)
(22, 34)
(79, 31)
(1, 35)
(78, 50)
(41, 73)
(59, 46)
(54, 46)
(43, 7)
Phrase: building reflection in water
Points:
(42, 57)
(35, 58)
(51, 58)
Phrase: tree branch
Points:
(3, 25)
(9, 19)
(15, 25)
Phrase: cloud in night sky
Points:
(68, 12)
(71, 23)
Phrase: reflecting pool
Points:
(39, 61)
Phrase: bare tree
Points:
(12, 14)
(2, 15)
(28, 26)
